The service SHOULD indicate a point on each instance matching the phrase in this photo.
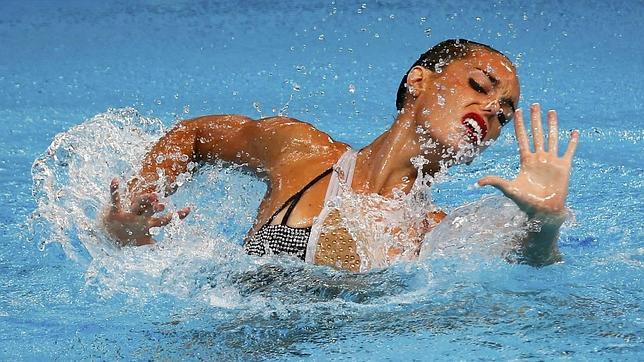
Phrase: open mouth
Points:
(475, 127)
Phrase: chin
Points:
(466, 152)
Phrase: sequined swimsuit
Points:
(281, 238)
(301, 242)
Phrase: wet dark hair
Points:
(440, 55)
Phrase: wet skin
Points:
(288, 153)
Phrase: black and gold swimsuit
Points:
(281, 238)
(325, 242)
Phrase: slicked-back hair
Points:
(440, 55)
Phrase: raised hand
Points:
(541, 187)
(131, 226)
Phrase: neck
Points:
(385, 164)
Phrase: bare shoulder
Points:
(276, 145)
(289, 128)
(294, 135)
(270, 129)
(294, 143)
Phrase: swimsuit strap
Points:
(296, 197)
(340, 179)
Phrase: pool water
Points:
(85, 87)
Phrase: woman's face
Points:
(463, 106)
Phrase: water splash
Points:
(70, 185)
(484, 228)
(69, 179)
(201, 258)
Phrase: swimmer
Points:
(458, 96)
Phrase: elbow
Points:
(186, 133)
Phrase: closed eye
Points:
(477, 87)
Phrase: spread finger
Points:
(535, 123)
(519, 131)
(572, 145)
(161, 221)
(553, 132)
(114, 194)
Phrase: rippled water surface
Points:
(85, 88)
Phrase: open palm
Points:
(541, 186)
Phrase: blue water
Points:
(107, 78)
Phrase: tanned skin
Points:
(288, 153)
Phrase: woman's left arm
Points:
(541, 187)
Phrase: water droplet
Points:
(296, 87)
(352, 88)
(423, 20)
(478, 18)
(441, 100)
(186, 109)
(428, 32)
(321, 37)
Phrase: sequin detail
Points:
(278, 239)
(336, 248)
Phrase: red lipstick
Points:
(475, 126)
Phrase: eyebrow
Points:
(490, 76)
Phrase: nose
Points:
(493, 107)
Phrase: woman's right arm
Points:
(229, 138)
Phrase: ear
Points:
(416, 80)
